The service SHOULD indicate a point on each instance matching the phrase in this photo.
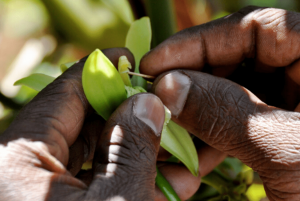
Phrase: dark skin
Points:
(42, 151)
(226, 115)
(46, 145)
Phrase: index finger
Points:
(56, 115)
(269, 35)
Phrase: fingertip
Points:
(149, 109)
(209, 158)
(297, 109)
(183, 50)
(180, 178)
(173, 89)
(293, 72)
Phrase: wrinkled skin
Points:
(46, 145)
(256, 121)
(42, 151)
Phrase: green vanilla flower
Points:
(102, 84)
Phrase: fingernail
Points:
(173, 90)
(149, 109)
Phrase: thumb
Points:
(125, 158)
(232, 119)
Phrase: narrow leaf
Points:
(35, 81)
(178, 142)
(138, 41)
(102, 84)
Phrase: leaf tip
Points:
(16, 83)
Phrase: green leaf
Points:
(215, 180)
(229, 168)
(138, 41)
(204, 193)
(102, 84)
(64, 67)
(178, 142)
(35, 81)
(130, 91)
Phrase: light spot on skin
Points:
(117, 135)
(116, 139)
(169, 82)
(117, 198)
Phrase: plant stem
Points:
(215, 180)
(141, 75)
(165, 187)
(163, 20)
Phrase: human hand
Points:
(250, 47)
(42, 152)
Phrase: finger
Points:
(163, 154)
(83, 148)
(231, 119)
(269, 35)
(209, 158)
(125, 158)
(297, 109)
(276, 89)
(56, 115)
(182, 180)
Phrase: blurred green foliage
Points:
(91, 24)
(23, 18)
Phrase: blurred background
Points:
(36, 36)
